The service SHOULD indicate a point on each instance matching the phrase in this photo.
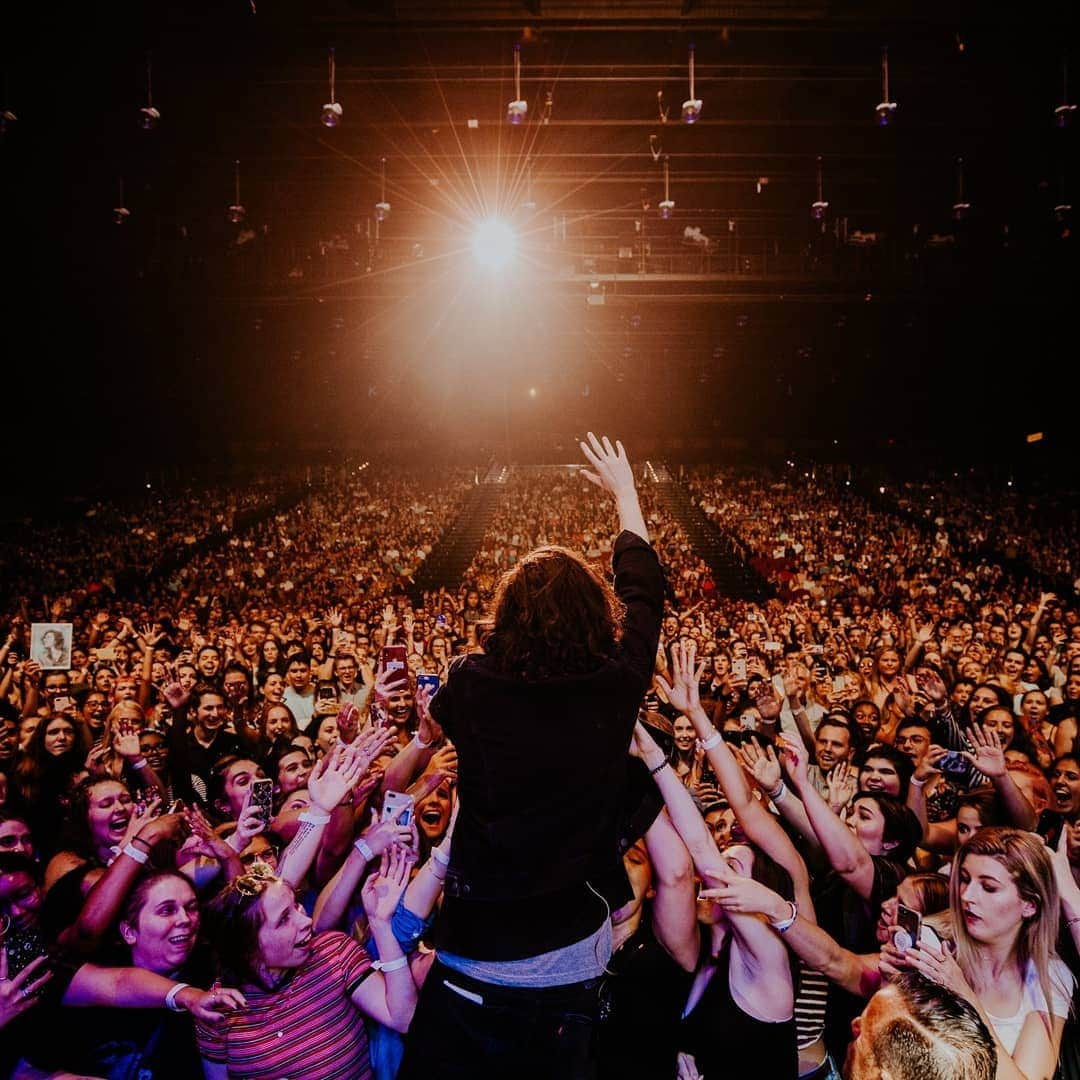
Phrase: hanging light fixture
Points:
(667, 205)
(7, 118)
(382, 207)
(530, 203)
(885, 107)
(331, 111)
(1065, 112)
(691, 108)
(517, 109)
(236, 213)
(1063, 210)
(148, 115)
(961, 208)
(120, 212)
(818, 208)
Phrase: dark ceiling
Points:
(309, 326)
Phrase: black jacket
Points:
(541, 770)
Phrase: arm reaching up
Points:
(611, 471)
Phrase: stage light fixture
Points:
(885, 107)
(818, 208)
(529, 205)
(382, 207)
(961, 208)
(493, 243)
(148, 115)
(236, 213)
(1065, 113)
(120, 212)
(331, 111)
(518, 109)
(691, 108)
(667, 205)
(7, 118)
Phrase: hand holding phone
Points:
(426, 681)
(399, 807)
(909, 922)
(394, 658)
(262, 797)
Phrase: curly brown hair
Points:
(554, 615)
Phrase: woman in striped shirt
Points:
(303, 989)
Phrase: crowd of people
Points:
(227, 830)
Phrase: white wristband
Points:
(311, 817)
(390, 965)
(420, 742)
(233, 841)
(170, 997)
(139, 764)
(779, 793)
(715, 739)
(784, 925)
(440, 856)
(917, 782)
(364, 848)
(132, 852)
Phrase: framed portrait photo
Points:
(50, 645)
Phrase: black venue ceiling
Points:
(930, 301)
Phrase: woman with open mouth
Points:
(130, 1018)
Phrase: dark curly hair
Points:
(554, 615)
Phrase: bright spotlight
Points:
(494, 243)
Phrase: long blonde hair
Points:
(1024, 856)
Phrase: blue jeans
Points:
(467, 1029)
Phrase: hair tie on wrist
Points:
(663, 764)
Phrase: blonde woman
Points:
(1004, 902)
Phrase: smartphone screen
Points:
(838, 684)
(326, 693)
